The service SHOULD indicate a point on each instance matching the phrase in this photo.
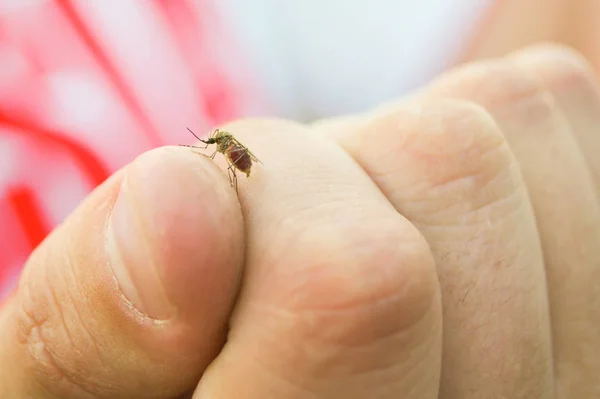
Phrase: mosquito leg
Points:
(206, 146)
(193, 147)
(235, 183)
(230, 172)
(212, 156)
(230, 176)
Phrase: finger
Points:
(565, 204)
(340, 297)
(130, 297)
(569, 220)
(574, 85)
(445, 166)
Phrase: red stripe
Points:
(219, 93)
(111, 70)
(28, 210)
(90, 165)
(179, 18)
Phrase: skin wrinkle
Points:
(325, 209)
(64, 327)
(297, 385)
(371, 371)
(439, 232)
(321, 268)
(74, 303)
(511, 172)
(414, 368)
(295, 235)
(34, 333)
(499, 157)
(371, 303)
(473, 218)
(28, 325)
(71, 377)
(367, 309)
(86, 330)
(391, 367)
(392, 150)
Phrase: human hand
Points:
(340, 296)
(131, 296)
(497, 165)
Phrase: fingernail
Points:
(131, 254)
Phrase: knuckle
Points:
(561, 67)
(468, 144)
(444, 142)
(361, 283)
(494, 84)
(512, 93)
(456, 127)
(450, 163)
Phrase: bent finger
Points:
(563, 196)
(569, 219)
(340, 297)
(446, 167)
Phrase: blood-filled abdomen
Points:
(240, 158)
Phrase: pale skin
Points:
(445, 246)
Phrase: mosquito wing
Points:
(252, 156)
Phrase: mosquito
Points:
(238, 156)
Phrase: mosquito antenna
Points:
(194, 134)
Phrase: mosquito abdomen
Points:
(240, 158)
